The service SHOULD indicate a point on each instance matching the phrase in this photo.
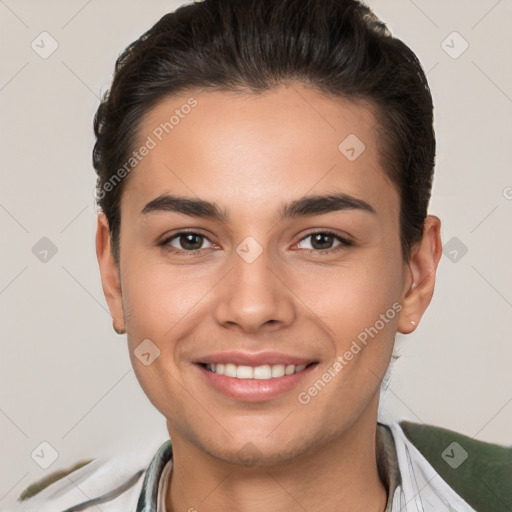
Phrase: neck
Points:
(339, 475)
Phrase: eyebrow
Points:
(304, 207)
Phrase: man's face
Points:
(263, 279)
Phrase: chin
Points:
(259, 453)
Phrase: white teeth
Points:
(264, 372)
(230, 370)
(244, 372)
(277, 370)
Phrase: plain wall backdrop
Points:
(66, 377)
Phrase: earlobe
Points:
(109, 271)
(422, 267)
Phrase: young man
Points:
(265, 169)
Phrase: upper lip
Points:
(253, 359)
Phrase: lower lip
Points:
(255, 390)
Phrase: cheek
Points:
(157, 303)
(162, 304)
(157, 296)
(351, 297)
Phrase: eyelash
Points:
(343, 245)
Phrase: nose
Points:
(253, 296)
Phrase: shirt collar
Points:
(149, 493)
(387, 465)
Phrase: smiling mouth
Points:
(264, 372)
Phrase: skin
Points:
(250, 154)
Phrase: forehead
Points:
(244, 149)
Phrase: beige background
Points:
(65, 375)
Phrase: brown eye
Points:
(185, 241)
(323, 241)
(191, 241)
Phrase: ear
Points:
(109, 272)
(422, 267)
